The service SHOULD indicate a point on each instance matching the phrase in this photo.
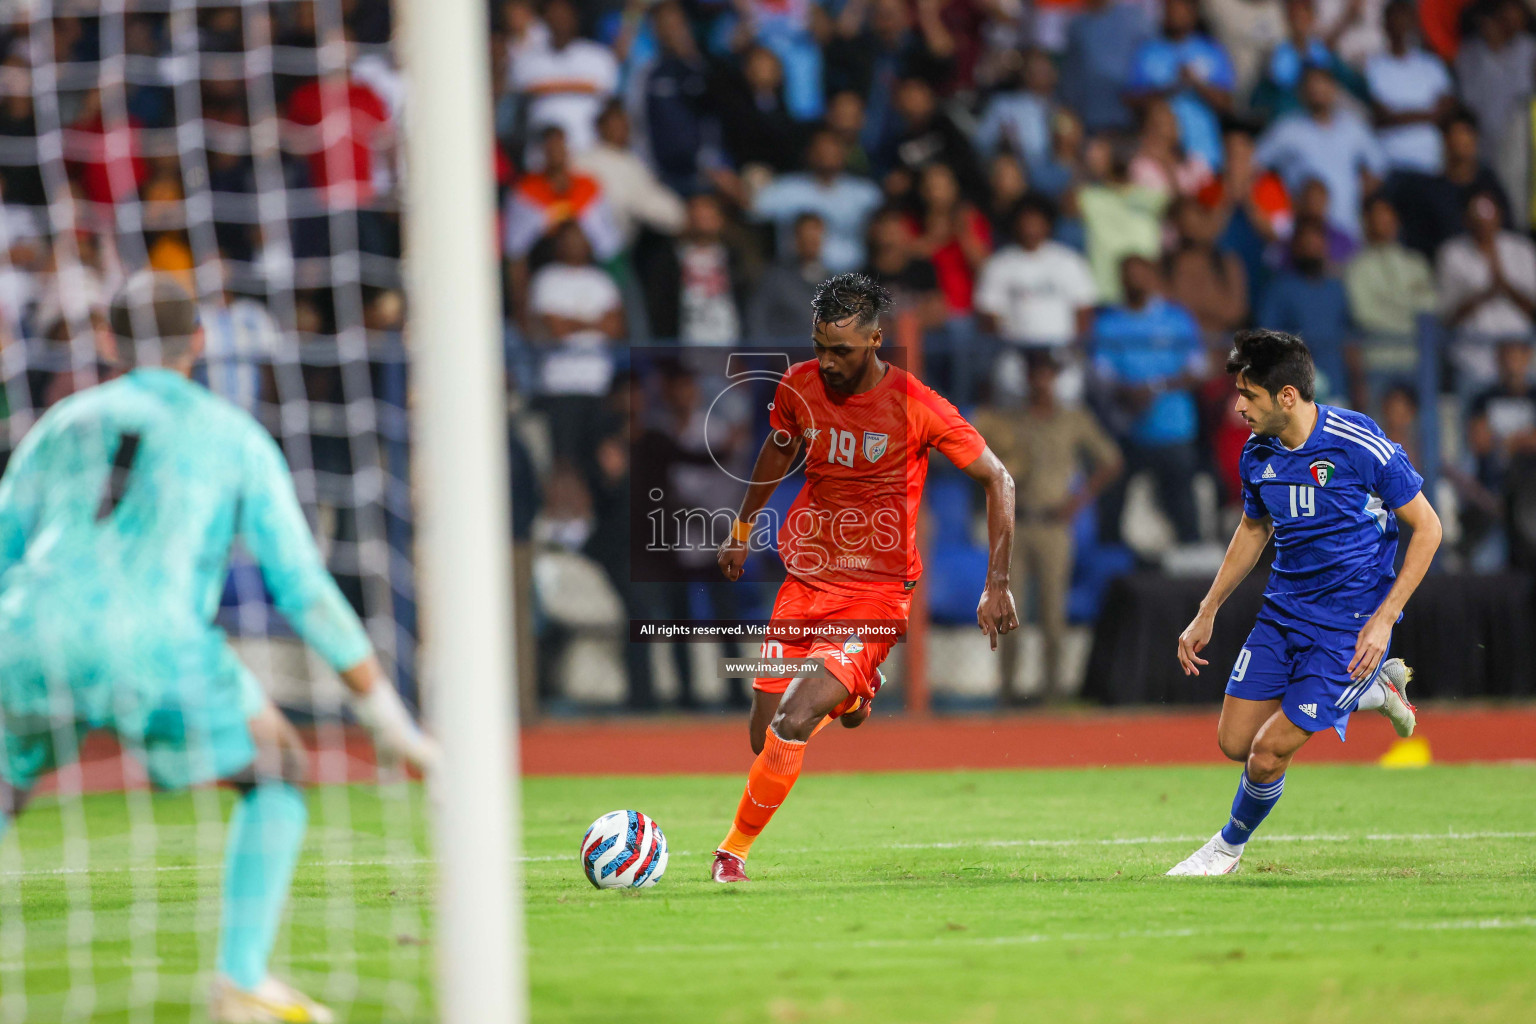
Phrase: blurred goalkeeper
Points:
(117, 515)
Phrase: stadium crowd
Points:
(1075, 202)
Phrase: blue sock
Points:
(1250, 807)
(265, 834)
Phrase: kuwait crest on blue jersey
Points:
(1322, 472)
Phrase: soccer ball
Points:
(624, 850)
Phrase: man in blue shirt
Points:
(1327, 143)
(1308, 299)
(1330, 487)
(843, 202)
(1101, 42)
(1147, 354)
(1193, 72)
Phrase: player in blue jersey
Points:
(117, 514)
(1330, 487)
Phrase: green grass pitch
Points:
(968, 897)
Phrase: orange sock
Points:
(772, 776)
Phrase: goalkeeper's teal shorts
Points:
(178, 700)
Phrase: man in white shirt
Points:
(568, 81)
(1037, 292)
(1411, 91)
(636, 197)
(1486, 279)
(576, 309)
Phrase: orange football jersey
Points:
(866, 458)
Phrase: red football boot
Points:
(728, 868)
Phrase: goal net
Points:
(252, 149)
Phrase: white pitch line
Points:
(977, 844)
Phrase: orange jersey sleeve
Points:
(943, 427)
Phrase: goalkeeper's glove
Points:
(395, 734)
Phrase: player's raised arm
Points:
(773, 464)
(995, 612)
(1242, 555)
(274, 529)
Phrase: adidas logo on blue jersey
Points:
(1310, 710)
(1269, 472)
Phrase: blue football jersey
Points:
(1331, 503)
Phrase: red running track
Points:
(1052, 740)
(706, 744)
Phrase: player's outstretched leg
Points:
(262, 849)
(1388, 694)
(1258, 790)
(805, 705)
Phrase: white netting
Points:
(248, 148)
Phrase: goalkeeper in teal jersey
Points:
(117, 514)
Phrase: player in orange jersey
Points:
(849, 541)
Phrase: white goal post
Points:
(463, 551)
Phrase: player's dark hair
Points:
(849, 298)
(1272, 360)
(153, 318)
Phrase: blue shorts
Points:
(1305, 667)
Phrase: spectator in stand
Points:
(1160, 163)
(22, 181)
(929, 135)
(1248, 30)
(1120, 217)
(1486, 280)
(1328, 143)
(843, 202)
(845, 116)
(1047, 447)
(525, 34)
(1007, 184)
(241, 340)
(1501, 421)
(1433, 206)
(671, 100)
(1307, 299)
(952, 233)
(1314, 202)
(342, 154)
(107, 159)
(1303, 46)
(694, 286)
(1102, 43)
(1062, 168)
(755, 125)
(1035, 292)
(1352, 28)
(1389, 286)
(568, 81)
(1494, 67)
(1018, 117)
(1205, 280)
(544, 200)
(779, 305)
(1148, 356)
(877, 42)
(910, 278)
(1252, 208)
(636, 198)
(1192, 72)
(1411, 92)
(575, 314)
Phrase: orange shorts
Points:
(851, 631)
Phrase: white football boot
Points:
(1395, 676)
(1216, 857)
(273, 1002)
